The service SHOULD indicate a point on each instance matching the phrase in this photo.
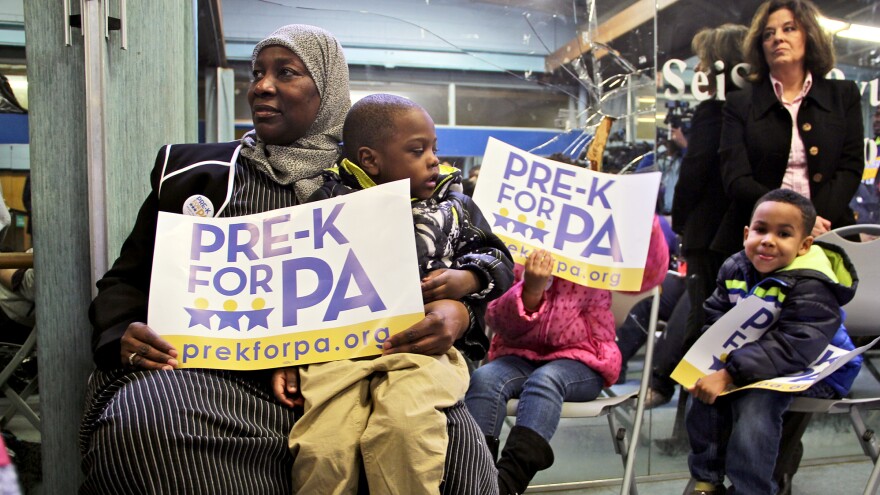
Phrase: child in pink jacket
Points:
(553, 342)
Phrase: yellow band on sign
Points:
(579, 271)
(778, 386)
(686, 374)
(292, 349)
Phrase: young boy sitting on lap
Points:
(386, 411)
(738, 434)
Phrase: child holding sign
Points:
(553, 342)
(387, 410)
(739, 434)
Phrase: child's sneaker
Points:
(705, 488)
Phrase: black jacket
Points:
(124, 290)
(699, 203)
(755, 144)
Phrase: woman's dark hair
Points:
(819, 49)
(719, 44)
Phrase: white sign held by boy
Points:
(744, 323)
(598, 226)
(311, 283)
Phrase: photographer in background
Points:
(671, 151)
(866, 202)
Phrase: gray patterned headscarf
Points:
(301, 163)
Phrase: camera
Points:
(679, 115)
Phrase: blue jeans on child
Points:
(739, 436)
(541, 387)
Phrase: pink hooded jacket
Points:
(572, 321)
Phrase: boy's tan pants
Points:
(386, 411)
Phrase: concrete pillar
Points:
(146, 97)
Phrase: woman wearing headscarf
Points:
(793, 128)
(151, 428)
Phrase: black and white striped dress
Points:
(199, 431)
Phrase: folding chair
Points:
(621, 303)
(862, 319)
(25, 351)
(17, 399)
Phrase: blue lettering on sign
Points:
(293, 300)
(571, 218)
(732, 340)
(352, 270)
(260, 277)
(597, 192)
(539, 176)
(828, 357)
(576, 225)
(810, 373)
(238, 280)
(194, 276)
(257, 351)
(606, 232)
(246, 247)
(516, 166)
(269, 249)
(231, 281)
(242, 238)
(198, 245)
(322, 228)
(526, 202)
(555, 181)
(762, 318)
(559, 187)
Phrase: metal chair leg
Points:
(18, 404)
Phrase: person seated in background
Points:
(738, 435)
(17, 316)
(866, 202)
(471, 183)
(5, 217)
(387, 411)
(553, 342)
(674, 307)
(633, 333)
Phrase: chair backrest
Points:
(863, 312)
(623, 302)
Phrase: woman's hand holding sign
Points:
(445, 322)
(143, 348)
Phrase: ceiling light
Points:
(848, 30)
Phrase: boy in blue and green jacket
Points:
(739, 434)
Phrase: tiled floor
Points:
(833, 459)
(587, 464)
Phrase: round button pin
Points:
(199, 206)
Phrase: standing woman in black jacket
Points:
(699, 202)
(793, 128)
